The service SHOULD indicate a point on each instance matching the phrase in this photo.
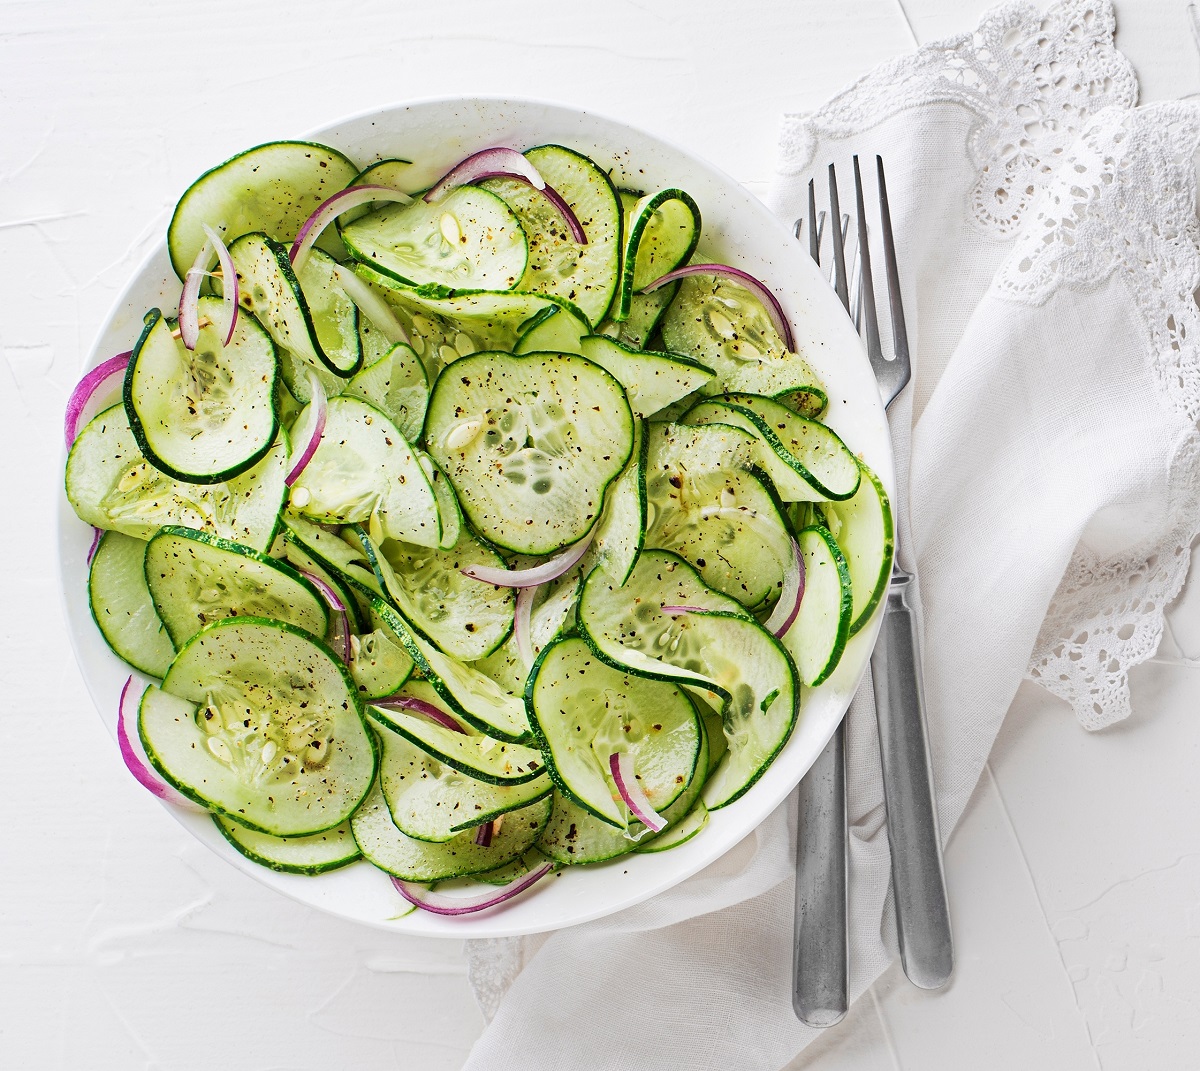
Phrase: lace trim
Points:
(1123, 199)
(1033, 81)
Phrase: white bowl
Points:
(737, 229)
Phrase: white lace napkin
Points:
(1050, 466)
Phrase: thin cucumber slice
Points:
(471, 696)
(722, 325)
(335, 317)
(662, 230)
(509, 872)
(258, 721)
(468, 240)
(111, 485)
(680, 833)
(269, 289)
(652, 381)
(818, 636)
(720, 518)
(295, 554)
(729, 653)
(331, 553)
(550, 618)
(378, 666)
(317, 853)
(585, 275)
(621, 530)
(474, 754)
(583, 711)
(530, 444)
(271, 188)
(555, 330)
(393, 172)
(365, 469)
(208, 414)
(122, 608)
(805, 459)
(433, 802)
(297, 375)
(414, 860)
(465, 618)
(862, 527)
(645, 313)
(449, 511)
(196, 579)
(442, 329)
(396, 385)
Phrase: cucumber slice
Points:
(316, 853)
(297, 375)
(335, 318)
(196, 579)
(449, 511)
(652, 381)
(364, 469)
(111, 485)
(530, 444)
(414, 860)
(208, 414)
(296, 555)
(621, 531)
(818, 636)
(465, 618)
(680, 833)
(727, 652)
(555, 330)
(378, 666)
(662, 230)
(645, 313)
(721, 519)
(583, 274)
(331, 553)
(122, 608)
(433, 802)
(269, 289)
(271, 188)
(862, 527)
(474, 754)
(258, 721)
(469, 240)
(722, 325)
(583, 711)
(392, 172)
(471, 696)
(397, 386)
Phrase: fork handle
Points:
(820, 953)
(918, 879)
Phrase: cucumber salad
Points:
(472, 531)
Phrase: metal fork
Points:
(821, 961)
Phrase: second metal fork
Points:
(821, 962)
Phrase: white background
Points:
(1075, 875)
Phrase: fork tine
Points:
(867, 305)
(814, 234)
(839, 249)
(895, 304)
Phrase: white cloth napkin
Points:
(1050, 491)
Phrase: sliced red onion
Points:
(342, 634)
(755, 286)
(621, 765)
(679, 611)
(332, 207)
(441, 904)
(135, 757)
(537, 575)
(419, 706)
(97, 533)
(484, 837)
(319, 407)
(487, 163)
(189, 308)
(506, 163)
(521, 627)
(788, 606)
(93, 385)
(378, 311)
(229, 283)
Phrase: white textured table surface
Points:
(1075, 875)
